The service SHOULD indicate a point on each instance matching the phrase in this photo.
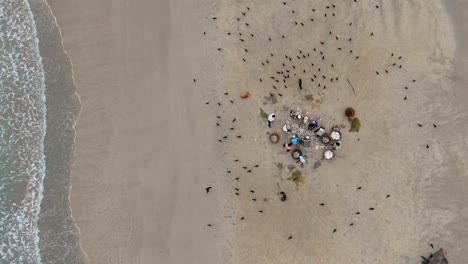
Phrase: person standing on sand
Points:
(271, 119)
(312, 124)
(294, 140)
(288, 146)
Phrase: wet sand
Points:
(148, 145)
(58, 235)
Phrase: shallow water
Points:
(22, 131)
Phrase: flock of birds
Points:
(313, 68)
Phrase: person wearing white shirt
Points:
(271, 119)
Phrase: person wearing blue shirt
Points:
(295, 140)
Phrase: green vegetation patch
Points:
(296, 177)
(355, 124)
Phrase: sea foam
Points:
(22, 131)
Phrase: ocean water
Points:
(22, 131)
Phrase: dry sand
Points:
(147, 146)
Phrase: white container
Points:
(320, 131)
(335, 135)
(328, 154)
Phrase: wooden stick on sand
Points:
(351, 86)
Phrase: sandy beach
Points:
(162, 119)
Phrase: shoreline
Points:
(58, 231)
(144, 146)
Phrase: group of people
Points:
(294, 139)
(310, 123)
